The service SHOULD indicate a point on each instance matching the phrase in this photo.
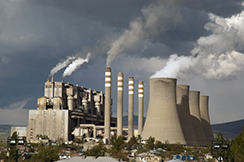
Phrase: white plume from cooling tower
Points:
(75, 65)
(218, 55)
(215, 56)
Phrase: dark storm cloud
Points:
(35, 35)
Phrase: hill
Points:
(6, 128)
(229, 129)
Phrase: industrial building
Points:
(65, 107)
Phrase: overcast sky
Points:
(199, 42)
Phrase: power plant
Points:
(175, 114)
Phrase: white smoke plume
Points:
(157, 18)
(75, 65)
(219, 55)
(61, 65)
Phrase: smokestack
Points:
(131, 108)
(140, 107)
(205, 118)
(120, 104)
(162, 120)
(182, 93)
(196, 117)
(107, 113)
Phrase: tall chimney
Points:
(162, 120)
(131, 108)
(205, 118)
(120, 104)
(107, 114)
(140, 107)
(196, 117)
(182, 93)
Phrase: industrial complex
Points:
(175, 114)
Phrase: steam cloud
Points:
(75, 65)
(61, 65)
(218, 55)
(152, 23)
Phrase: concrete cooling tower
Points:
(196, 117)
(162, 120)
(205, 118)
(182, 93)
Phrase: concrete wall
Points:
(53, 123)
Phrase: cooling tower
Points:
(107, 103)
(120, 104)
(182, 93)
(196, 117)
(205, 118)
(162, 120)
(140, 107)
(131, 108)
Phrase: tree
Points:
(159, 144)
(237, 147)
(222, 150)
(117, 150)
(150, 143)
(46, 154)
(98, 150)
(117, 143)
(132, 143)
(14, 135)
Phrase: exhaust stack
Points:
(140, 107)
(120, 104)
(107, 114)
(162, 120)
(131, 108)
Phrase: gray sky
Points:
(200, 42)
